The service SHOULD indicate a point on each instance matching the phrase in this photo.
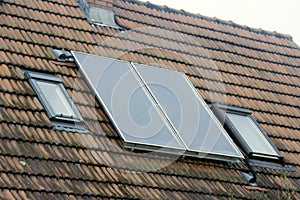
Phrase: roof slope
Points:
(227, 63)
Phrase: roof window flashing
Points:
(53, 96)
(247, 133)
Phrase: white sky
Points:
(282, 16)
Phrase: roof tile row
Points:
(227, 63)
(205, 22)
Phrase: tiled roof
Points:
(226, 62)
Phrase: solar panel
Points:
(187, 112)
(127, 102)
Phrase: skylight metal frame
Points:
(221, 112)
(33, 78)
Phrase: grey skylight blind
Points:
(251, 133)
(156, 107)
(56, 98)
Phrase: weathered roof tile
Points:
(228, 63)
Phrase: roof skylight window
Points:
(54, 97)
(247, 132)
(98, 15)
(159, 109)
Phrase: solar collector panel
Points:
(156, 109)
(127, 102)
(187, 112)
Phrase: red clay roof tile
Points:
(227, 63)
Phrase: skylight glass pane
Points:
(251, 134)
(56, 98)
(133, 112)
(187, 112)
